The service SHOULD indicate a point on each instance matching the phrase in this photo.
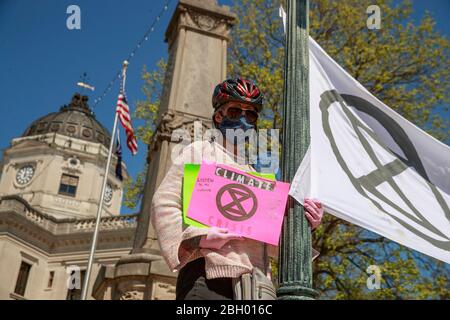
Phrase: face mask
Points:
(240, 123)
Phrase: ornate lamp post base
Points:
(296, 292)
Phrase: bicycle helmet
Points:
(240, 90)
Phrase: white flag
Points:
(370, 166)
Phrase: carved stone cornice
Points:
(54, 235)
(202, 16)
(196, 20)
(132, 295)
(171, 121)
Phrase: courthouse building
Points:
(50, 184)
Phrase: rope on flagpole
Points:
(102, 195)
(131, 55)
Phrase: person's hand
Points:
(313, 212)
(217, 238)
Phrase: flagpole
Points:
(102, 195)
(295, 257)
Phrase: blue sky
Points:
(41, 60)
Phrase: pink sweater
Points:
(232, 260)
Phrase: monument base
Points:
(137, 276)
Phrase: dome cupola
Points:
(74, 120)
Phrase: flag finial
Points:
(124, 76)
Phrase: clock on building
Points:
(25, 174)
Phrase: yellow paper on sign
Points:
(190, 177)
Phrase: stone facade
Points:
(57, 154)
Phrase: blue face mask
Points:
(240, 123)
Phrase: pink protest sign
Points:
(244, 204)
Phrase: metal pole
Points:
(102, 195)
(295, 263)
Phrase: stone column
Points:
(197, 37)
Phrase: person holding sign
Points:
(215, 263)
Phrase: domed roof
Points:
(74, 120)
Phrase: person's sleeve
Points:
(166, 215)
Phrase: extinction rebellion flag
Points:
(370, 166)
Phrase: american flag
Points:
(125, 119)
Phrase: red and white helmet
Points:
(240, 90)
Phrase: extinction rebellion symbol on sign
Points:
(236, 202)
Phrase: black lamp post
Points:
(295, 263)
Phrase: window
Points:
(68, 185)
(51, 276)
(22, 279)
(75, 293)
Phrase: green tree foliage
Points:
(405, 65)
(147, 109)
(133, 189)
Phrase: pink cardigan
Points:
(236, 257)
